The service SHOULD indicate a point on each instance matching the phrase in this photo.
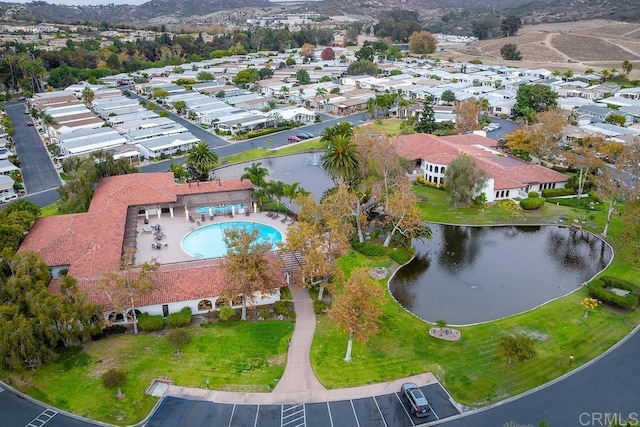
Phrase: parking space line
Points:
(296, 411)
(354, 412)
(255, 423)
(44, 417)
(232, 412)
(330, 417)
(380, 412)
(434, 413)
(405, 409)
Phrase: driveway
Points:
(38, 173)
(389, 410)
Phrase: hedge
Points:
(370, 250)
(557, 192)
(597, 290)
(179, 319)
(529, 204)
(150, 323)
(533, 194)
(285, 308)
(401, 255)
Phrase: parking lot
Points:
(389, 410)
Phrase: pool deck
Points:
(177, 227)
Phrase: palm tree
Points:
(202, 159)
(256, 173)
(277, 190)
(47, 121)
(341, 129)
(88, 96)
(291, 191)
(321, 92)
(341, 159)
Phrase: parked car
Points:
(418, 404)
(293, 138)
(29, 123)
(8, 198)
(304, 135)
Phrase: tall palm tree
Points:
(343, 128)
(202, 159)
(291, 191)
(47, 121)
(256, 173)
(341, 159)
(88, 96)
(277, 190)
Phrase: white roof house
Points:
(116, 105)
(85, 141)
(167, 145)
(137, 135)
(7, 167)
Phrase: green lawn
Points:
(235, 356)
(473, 369)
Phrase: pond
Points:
(467, 275)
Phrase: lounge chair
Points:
(247, 212)
(146, 231)
(211, 217)
(191, 219)
(270, 214)
(284, 219)
(275, 215)
(202, 218)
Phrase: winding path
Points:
(298, 374)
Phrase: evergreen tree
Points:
(427, 122)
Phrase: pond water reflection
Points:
(476, 274)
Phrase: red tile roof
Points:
(91, 243)
(507, 172)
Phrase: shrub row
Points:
(557, 192)
(179, 319)
(319, 307)
(401, 255)
(370, 250)
(597, 290)
(285, 308)
(529, 203)
(149, 323)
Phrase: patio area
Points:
(176, 228)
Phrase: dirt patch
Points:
(583, 48)
(575, 46)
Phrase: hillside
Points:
(451, 16)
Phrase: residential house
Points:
(89, 245)
(507, 177)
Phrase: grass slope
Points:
(473, 369)
(235, 356)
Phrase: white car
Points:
(8, 197)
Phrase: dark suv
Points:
(418, 404)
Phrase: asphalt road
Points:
(606, 389)
(38, 173)
(18, 411)
(271, 141)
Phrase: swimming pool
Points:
(208, 241)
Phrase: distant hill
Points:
(448, 15)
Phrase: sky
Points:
(81, 2)
(95, 2)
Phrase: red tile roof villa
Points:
(508, 177)
(91, 244)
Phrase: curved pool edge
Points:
(275, 245)
(514, 314)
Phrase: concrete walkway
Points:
(298, 375)
(299, 383)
